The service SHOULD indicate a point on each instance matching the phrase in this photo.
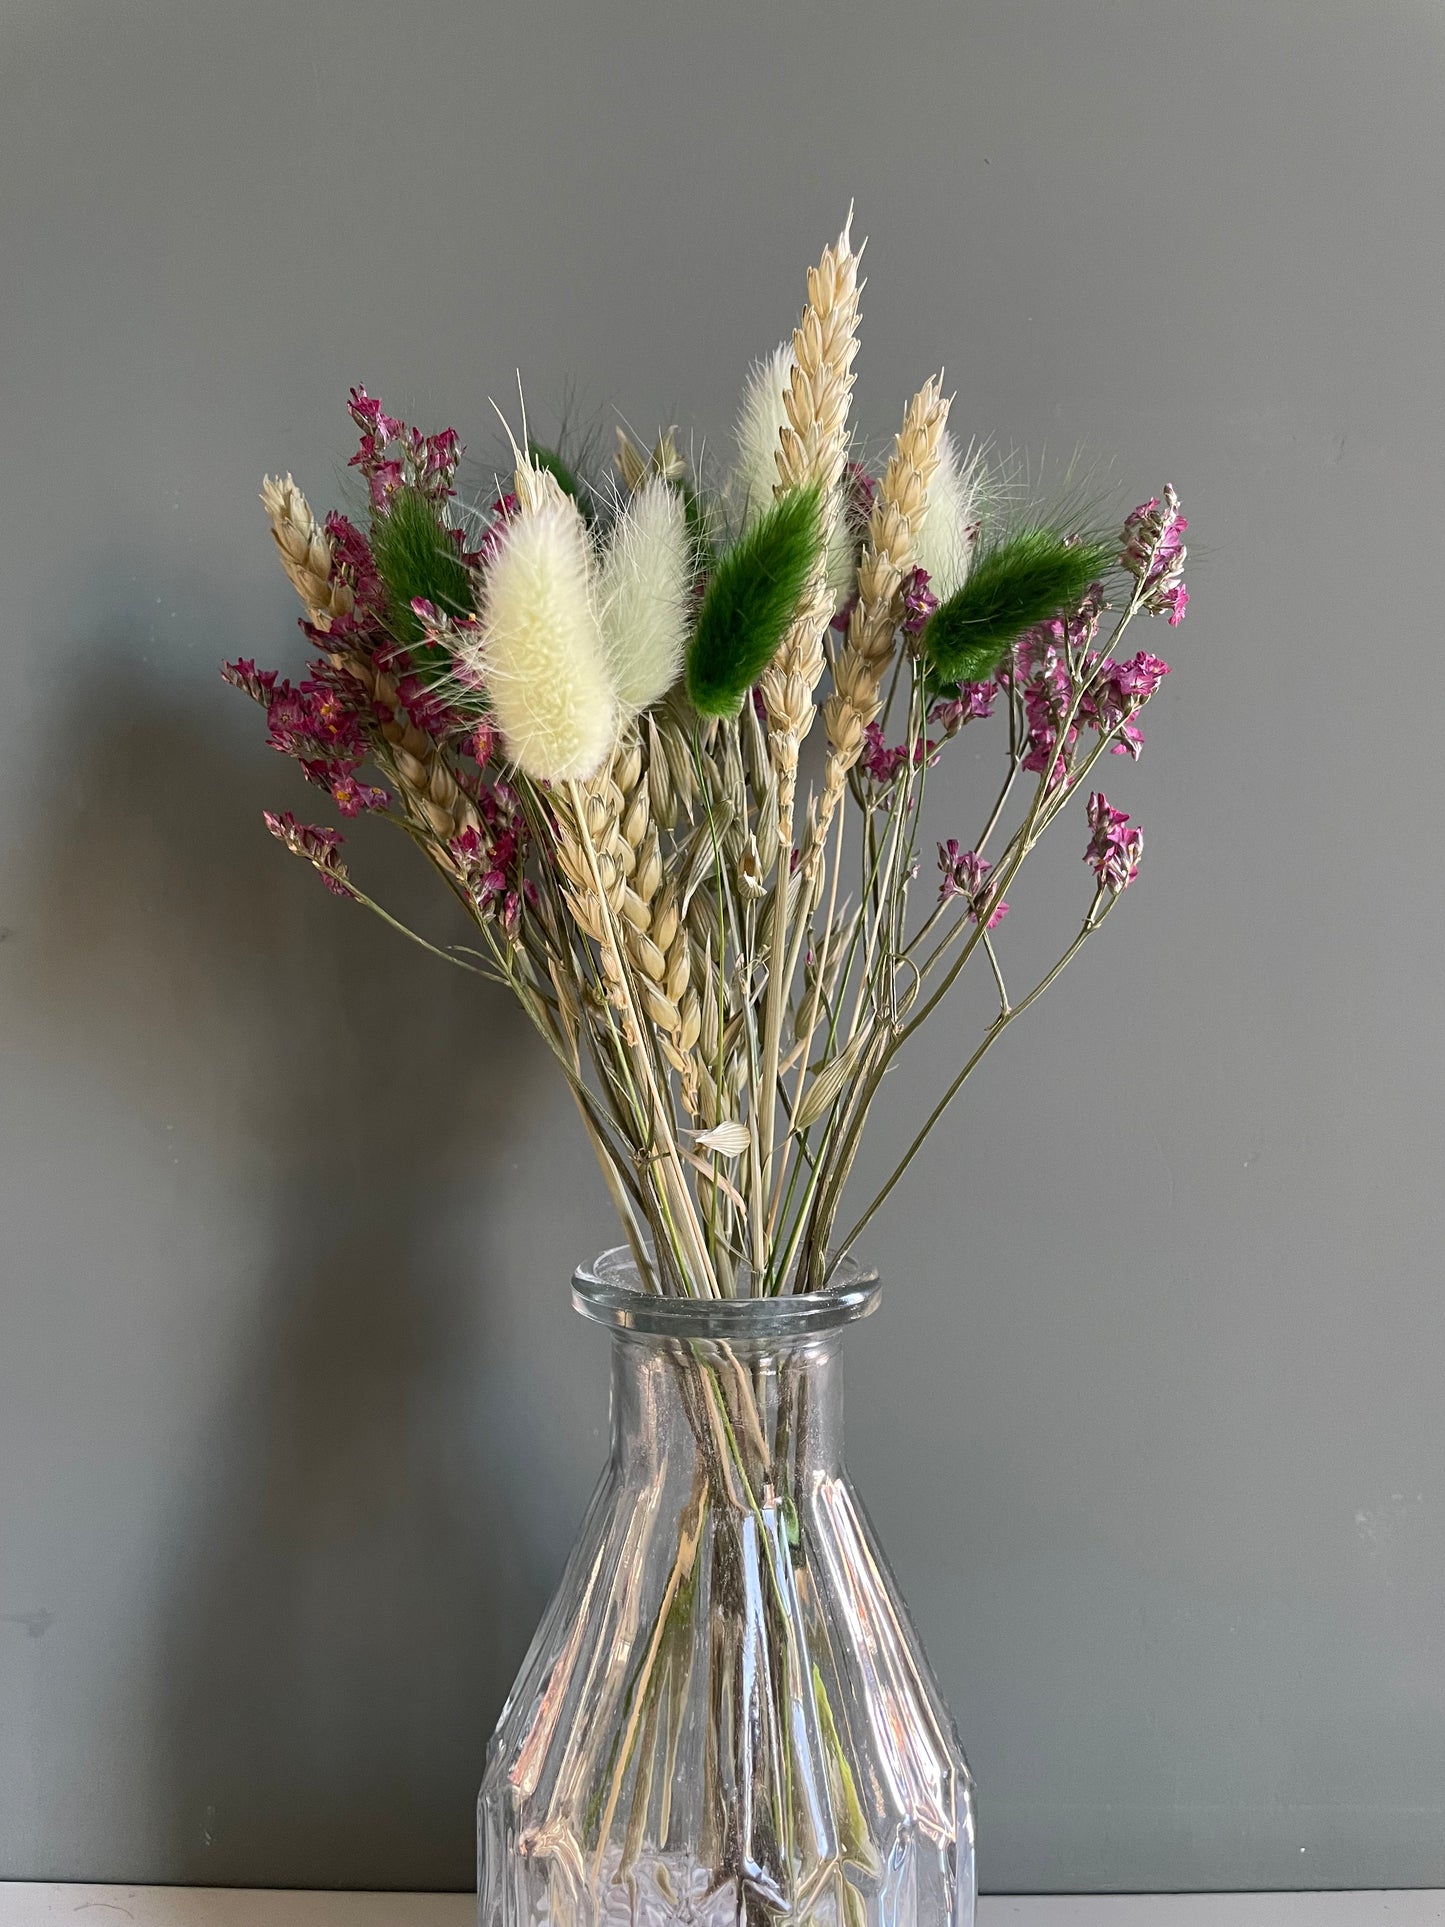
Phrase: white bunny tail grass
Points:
(643, 595)
(946, 530)
(541, 653)
(761, 421)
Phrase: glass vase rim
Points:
(608, 1292)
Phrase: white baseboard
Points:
(37, 1904)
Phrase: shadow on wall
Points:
(341, 1593)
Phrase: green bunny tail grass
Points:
(416, 557)
(1020, 580)
(752, 597)
(562, 474)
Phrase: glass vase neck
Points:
(612, 1291)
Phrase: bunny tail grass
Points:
(541, 647)
(416, 557)
(752, 598)
(762, 418)
(643, 594)
(1023, 579)
(946, 529)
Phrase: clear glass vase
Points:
(725, 1716)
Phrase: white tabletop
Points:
(35, 1904)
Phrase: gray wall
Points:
(295, 1419)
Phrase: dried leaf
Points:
(827, 1086)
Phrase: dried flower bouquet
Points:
(586, 710)
(586, 705)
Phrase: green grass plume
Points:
(1021, 579)
(751, 598)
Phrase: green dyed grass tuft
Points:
(752, 597)
(416, 557)
(1020, 580)
(562, 474)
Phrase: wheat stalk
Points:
(306, 552)
(655, 936)
(811, 449)
(864, 658)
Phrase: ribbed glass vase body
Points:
(725, 1715)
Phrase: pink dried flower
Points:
(1116, 692)
(974, 700)
(1041, 669)
(1154, 554)
(391, 454)
(1113, 851)
(965, 874)
(351, 559)
(370, 418)
(258, 684)
(491, 858)
(317, 845)
(351, 797)
(919, 601)
(883, 763)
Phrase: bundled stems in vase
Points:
(588, 702)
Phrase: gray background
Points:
(295, 1419)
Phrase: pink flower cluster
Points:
(974, 699)
(392, 454)
(965, 874)
(1040, 669)
(491, 859)
(351, 559)
(317, 845)
(1154, 554)
(882, 762)
(319, 723)
(1119, 690)
(1113, 851)
(1061, 676)
(919, 602)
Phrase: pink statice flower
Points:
(392, 455)
(1040, 671)
(317, 845)
(319, 725)
(1154, 554)
(919, 602)
(352, 560)
(972, 700)
(1113, 851)
(491, 857)
(882, 761)
(258, 684)
(965, 874)
(351, 797)
(1114, 694)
